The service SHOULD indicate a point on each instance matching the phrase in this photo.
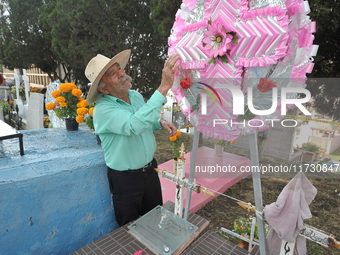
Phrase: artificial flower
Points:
(265, 85)
(80, 118)
(216, 41)
(82, 111)
(185, 83)
(56, 93)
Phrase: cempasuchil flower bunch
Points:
(67, 100)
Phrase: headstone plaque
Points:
(162, 230)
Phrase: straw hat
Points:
(96, 68)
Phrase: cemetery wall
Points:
(55, 199)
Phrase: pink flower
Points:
(216, 40)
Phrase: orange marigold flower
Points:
(72, 86)
(60, 100)
(76, 92)
(50, 106)
(56, 93)
(11, 102)
(91, 111)
(84, 103)
(173, 138)
(64, 87)
(80, 99)
(63, 104)
(81, 111)
(80, 118)
(178, 134)
(233, 142)
(79, 104)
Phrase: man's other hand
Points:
(170, 127)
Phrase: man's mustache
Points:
(124, 79)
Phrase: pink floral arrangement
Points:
(217, 42)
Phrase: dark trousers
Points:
(134, 192)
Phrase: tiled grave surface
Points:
(120, 242)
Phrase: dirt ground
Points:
(222, 211)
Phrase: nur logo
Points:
(209, 93)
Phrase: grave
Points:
(120, 242)
(35, 111)
(54, 199)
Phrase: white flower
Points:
(336, 191)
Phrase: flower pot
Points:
(218, 150)
(71, 124)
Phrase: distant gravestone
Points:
(35, 112)
(1, 114)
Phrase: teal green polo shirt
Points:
(126, 130)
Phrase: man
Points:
(125, 125)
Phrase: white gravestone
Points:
(18, 101)
(1, 114)
(35, 113)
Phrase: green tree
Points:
(23, 41)
(82, 29)
(326, 13)
(163, 14)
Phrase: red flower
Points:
(265, 85)
(242, 228)
(185, 83)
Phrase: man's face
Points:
(116, 81)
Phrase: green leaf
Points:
(212, 61)
(203, 44)
(223, 58)
(209, 21)
(226, 30)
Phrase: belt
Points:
(142, 169)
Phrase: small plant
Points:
(222, 142)
(176, 143)
(4, 106)
(243, 225)
(21, 92)
(47, 122)
(310, 147)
